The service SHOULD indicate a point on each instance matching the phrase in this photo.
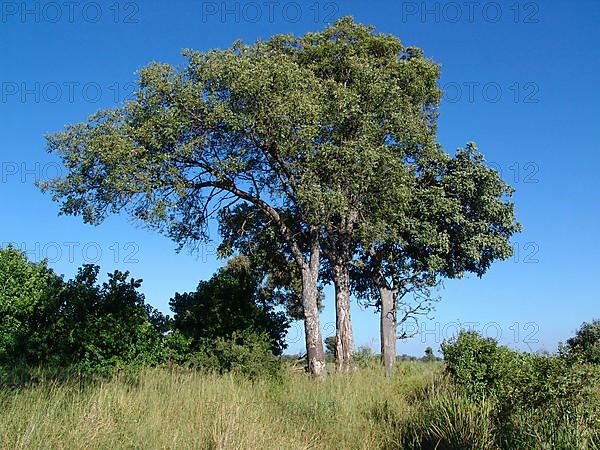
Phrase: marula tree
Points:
(323, 135)
(297, 127)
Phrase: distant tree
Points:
(330, 345)
(587, 341)
(429, 356)
(232, 301)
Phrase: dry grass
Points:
(164, 409)
(184, 409)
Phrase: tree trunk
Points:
(388, 329)
(312, 326)
(344, 342)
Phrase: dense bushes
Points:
(90, 327)
(515, 379)
(536, 399)
(230, 302)
(100, 326)
(79, 324)
(491, 397)
(26, 292)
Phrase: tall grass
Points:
(180, 409)
(160, 408)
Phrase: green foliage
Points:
(244, 352)
(429, 356)
(249, 231)
(587, 342)
(330, 345)
(553, 428)
(28, 295)
(102, 326)
(474, 362)
(231, 301)
(483, 369)
(290, 118)
(365, 358)
(83, 326)
(80, 324)
(330, 136)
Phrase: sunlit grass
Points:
(181, 409)
(186, 409)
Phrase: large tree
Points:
(458, 219)
(380, 104)
(379, 107)
(299, 128)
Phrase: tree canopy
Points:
(328, 142)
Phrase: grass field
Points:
(163, 409)
(159, 408)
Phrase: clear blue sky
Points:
(522, 80)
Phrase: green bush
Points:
(79, 325)
(483, 369)
(231, 301)
(365, 358)
(100, 327)
(248, 353)
(28, 302)
(440, 414)
(552, 428)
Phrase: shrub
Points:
(364, 357)
(79, 325)
(28, 301)
(101, 327)
(475, 363)
(552, 428)
(248, 353)
(484, 369)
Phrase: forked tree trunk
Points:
(388, 329)
(344, 341)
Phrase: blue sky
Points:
(521, 79)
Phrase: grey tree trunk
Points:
(312, 326)
(388, 329)
(344, 341)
